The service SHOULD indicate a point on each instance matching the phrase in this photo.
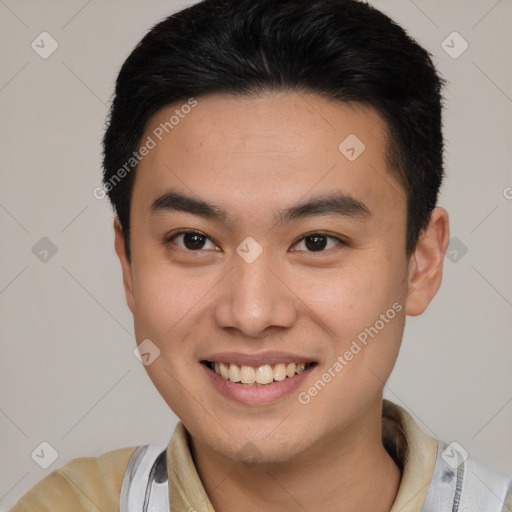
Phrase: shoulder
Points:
(83, 484)
(440, 477)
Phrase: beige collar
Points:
(187, 493)
(419, 466)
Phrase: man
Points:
(274, 166)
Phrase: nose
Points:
(253, 298)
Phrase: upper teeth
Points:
(264, 374)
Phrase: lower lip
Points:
(257, 394)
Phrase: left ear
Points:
(426, 264)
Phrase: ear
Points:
(126, 266)
(426, 264)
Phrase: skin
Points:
(253, 156)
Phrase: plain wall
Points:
(68, 375)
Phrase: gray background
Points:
(68, 375)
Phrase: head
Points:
(301, 143)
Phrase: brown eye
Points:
(318, 242)
(190, 240)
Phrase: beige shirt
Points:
(92, 484)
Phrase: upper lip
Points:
(257, 360)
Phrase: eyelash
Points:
(168, 240)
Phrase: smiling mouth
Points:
(261, 375)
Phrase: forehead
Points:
(267, 150)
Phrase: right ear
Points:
(126, 266)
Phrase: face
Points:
(278, 248)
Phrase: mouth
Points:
(261, 375)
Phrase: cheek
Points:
(167, 301)
(347, 300)
(365, 317)
(362, 311)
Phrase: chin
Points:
(257, 446)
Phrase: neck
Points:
(346, 471)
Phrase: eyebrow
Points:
(337, 203)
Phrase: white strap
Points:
(460, 484)
(145, 484)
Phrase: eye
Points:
(190, 240)
(319, 242)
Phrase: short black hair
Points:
(343, 50)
